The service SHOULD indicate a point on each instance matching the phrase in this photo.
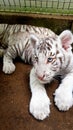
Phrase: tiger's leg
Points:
(8, 65)
(63, 94)
(40, 103)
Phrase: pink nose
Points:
(41, 77)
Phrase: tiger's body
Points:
(50, 54)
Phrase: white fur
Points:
(40, 102)
(66, 35)
(63, 97)
(8, 66)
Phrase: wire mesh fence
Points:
(37, 6)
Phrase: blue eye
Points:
(49, 59)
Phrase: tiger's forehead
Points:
(47, 45)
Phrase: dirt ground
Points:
(14, 103)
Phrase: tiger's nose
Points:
(41, 77)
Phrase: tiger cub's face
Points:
(47, 55)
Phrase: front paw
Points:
(39, 107)
(8, 68)
(63, 99)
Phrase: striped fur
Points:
(50, 54)
(44, 47)
(7, 30)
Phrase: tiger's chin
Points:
(46, 81)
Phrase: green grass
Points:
(40, 7)
(37, 10)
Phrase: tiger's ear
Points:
(66, 39)
(34, 40)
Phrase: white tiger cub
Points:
(51, 55)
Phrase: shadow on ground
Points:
(14, 104)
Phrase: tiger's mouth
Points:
(41, 79)
(45, 81)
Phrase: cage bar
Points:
(37, 6)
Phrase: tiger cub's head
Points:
(48, 54)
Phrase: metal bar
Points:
(69, 5)
(35, 3)
(25, 3)
(4, 3)
(30, 3)
(41, 3)
(52, 3)
(46, 3)
(14, 2)
(9, 3)
(19, 3)
(58, 5)
(63, 4)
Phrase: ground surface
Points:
(14, 104)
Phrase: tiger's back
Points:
(7, 30)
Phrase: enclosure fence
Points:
(37, 6)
